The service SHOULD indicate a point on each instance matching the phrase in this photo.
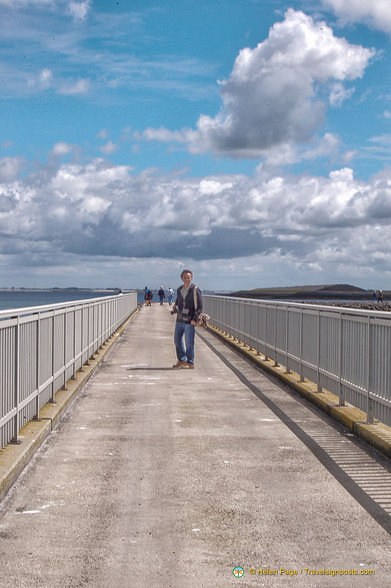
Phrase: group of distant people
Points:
(378, 295)
(148, 295)
(188, 306)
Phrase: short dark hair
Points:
(185, 271)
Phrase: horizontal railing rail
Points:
(43, 347)
(344, 350)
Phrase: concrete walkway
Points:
(172, 478)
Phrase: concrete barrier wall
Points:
(345, 351)
(42, 347)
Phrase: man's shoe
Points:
(179, 364)
(190, 366)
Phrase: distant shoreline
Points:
(307, 293)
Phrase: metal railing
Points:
(343, 350)
(42, 347)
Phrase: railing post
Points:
(276, 364)
(368, 382)
(266, 358)
(251, 324)
(53, 355)
(88, 337)
(243, 329)
(287, 369)
(100, 325)
(64, 387)
(301, 346)
(82, 338)
(74, 344)
(236, 328)
(37, 367)
(93, 330)
(341, 401)
(318, 386)
(15, 438)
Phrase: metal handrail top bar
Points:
(46, 307)
(311, 306)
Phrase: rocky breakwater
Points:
(383, 306)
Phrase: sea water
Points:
(26, 298)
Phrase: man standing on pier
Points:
(188, 306)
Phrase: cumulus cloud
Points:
(61, 148)
(273, 95)
(375, 13)
(10, 168)
(108, 211)
(79, 10)
(75, 88)
(41, 80)
(46, 76)
(109, 148)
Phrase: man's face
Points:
(186, 279)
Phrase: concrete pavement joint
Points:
(378, 435)
(14, 458)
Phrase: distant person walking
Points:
(148, 296)
(170, 295)
(380, 296)
(188, 306)
(161, 295)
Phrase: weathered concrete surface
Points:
(15, 457)
(167, 478)
(376, 434)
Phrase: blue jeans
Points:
(187, 331)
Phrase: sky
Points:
(246, 140)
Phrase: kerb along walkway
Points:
(213, 477)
